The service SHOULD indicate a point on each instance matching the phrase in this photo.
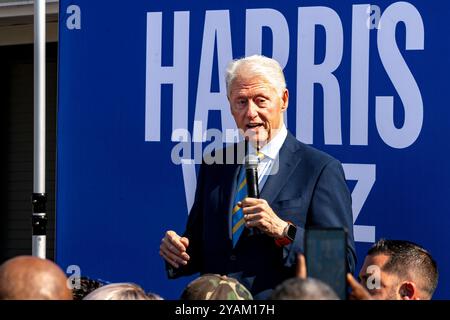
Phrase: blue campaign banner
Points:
(140, 83)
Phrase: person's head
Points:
(154, 296)
(215, 287)
(86, 286)
(258, 97)
(118, 291)
(32, 278)
(396, 269)
(303, 289)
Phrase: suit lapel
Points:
(288, 157)
(229, 179)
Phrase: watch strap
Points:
(284, 241)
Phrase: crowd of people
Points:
(392, 270)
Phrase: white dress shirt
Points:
(270, 152)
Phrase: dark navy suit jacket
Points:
(309, 190)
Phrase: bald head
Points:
(31, 278)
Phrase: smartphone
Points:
(326, 257)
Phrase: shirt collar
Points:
(271, 149)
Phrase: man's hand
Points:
(358, 291)
(258, 214)
(173, 249)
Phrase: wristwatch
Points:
(288, 237)
(290, 231)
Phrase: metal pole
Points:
(39, 197)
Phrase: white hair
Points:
(257, 65)
(119, 291)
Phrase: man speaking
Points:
(256, 240)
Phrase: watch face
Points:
(292, 230)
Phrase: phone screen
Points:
(326, 257)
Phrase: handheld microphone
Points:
(251, 174)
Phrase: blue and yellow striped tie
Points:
(238, 221)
